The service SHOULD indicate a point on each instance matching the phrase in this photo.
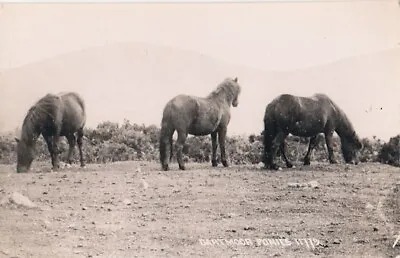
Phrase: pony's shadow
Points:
(64, 167)
(299, 166)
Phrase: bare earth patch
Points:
(133, 209)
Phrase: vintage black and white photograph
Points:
(200, 129)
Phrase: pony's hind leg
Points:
(166, 148)
(71, 142)
(267, 158)
(283, 151)
(179, 148)
(311, 146)
(276, 144)
(214, 149)
(171, 148)
(80, 143)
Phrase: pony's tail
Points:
(163, 143)
(269, 123)
(166, 140)
(81, 102)
(269, 131)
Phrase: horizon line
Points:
(220, 60)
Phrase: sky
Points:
(274, 36)
(270, 36)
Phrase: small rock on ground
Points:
(21, 200)
(127, 202)
(313, 184)
(144, 184)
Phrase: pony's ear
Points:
(236, 79)
(16, 139)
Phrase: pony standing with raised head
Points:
(52, 116)
(307, 117)
(198, 116)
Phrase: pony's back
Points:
(76, 97)
(73, 110)
(285, 101)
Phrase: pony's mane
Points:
(39, 111)
(345, 125)
(227, 87)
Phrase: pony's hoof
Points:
(165, 167)
(333, 161)
(182, 167)
(352, 162)
(289, 165)
(225, 163)
(307, 163)
(214, 163)
(275, 167)
(272, 167)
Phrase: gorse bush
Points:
(8, 148)
(110, 142)
(390, 152)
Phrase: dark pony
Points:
(307, 117)
(198, 116)
(52, 116)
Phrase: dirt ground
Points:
(131, 209)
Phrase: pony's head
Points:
(26, 143)
(351, 146)
(237, 89)
(25, 154)
(228, 90)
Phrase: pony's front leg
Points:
(80, 143)
(214, 149)
(56, 152)
(179, 148)
(221, 138)
(71, 142)
(329, 145)
(50, 147)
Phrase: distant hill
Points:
(134, 81)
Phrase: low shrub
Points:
(390, 152)
(110, 142)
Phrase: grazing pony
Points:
(307, 117)
(198, 116)
(52, 116)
